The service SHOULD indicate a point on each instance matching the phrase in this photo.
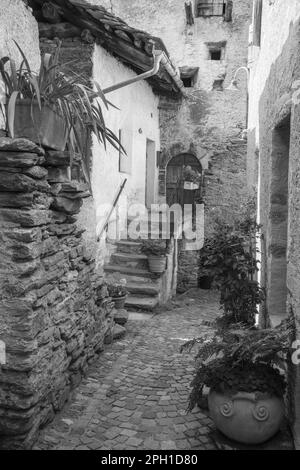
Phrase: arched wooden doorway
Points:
(176, 192)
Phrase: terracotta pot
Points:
(44, 127)
(157, 264)
(119, 301)
(245, 417)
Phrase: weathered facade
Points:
(209, 124)
(105, 49)
(55, 314)
(274, 122)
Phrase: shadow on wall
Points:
(276, 148)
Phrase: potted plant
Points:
(244, 370)
(229, 260)
(156, 251)
(52, 107)
(118, 292)
(191, 178)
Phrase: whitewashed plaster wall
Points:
(17, 23)
(277, 18)
(138, 118)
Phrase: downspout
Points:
(158, 56)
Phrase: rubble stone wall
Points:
(54, 310)
(209, 122)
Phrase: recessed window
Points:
(216, 50)
(214, 8)
(189, 76)
(188, 82)
(216, 55)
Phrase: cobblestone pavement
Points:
(135, 395)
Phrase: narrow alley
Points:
(135, 395)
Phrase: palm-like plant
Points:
(78, 105)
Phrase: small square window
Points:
(210, 8)
(188, 76)
(216, 50)
(216, 55)
(188, 82)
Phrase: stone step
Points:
(127, 246)
(141, 303)
(132, 260)
(155, 235)
(142, 274)
(142, 289)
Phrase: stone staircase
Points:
(143, 286)
(146, 289)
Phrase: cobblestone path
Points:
(135, 395)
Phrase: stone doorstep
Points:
(143, 303)
(142, 289)
(142, 273)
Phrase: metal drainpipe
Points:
(158, 55)
(159, 58)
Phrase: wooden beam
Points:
(189, 13)
(59, 30)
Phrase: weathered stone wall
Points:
(275, 116)
(54, 311)
(209, 123)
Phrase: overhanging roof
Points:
(131, 46)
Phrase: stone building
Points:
(208, 43)
(273, 160)
(55, 312)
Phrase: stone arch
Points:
(167, 155)
(176, 193)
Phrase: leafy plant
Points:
(117, 288)
(57, 87)
(154, 248)
(241, 359)
(229, 259)
(191, 175)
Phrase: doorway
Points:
(176, 192)
(151, 174)
(278, 231)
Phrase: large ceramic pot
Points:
(246, 417)
(119, 301)
(43, 126)
(157, 264)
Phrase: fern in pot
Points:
(245, 371)
(52, 107)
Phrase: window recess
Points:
(214, 8)
(189, 76)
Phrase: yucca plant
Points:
(63, 91)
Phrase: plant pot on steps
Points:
(157, 264)
(249, 418)
(119, 302)
(42, 126)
